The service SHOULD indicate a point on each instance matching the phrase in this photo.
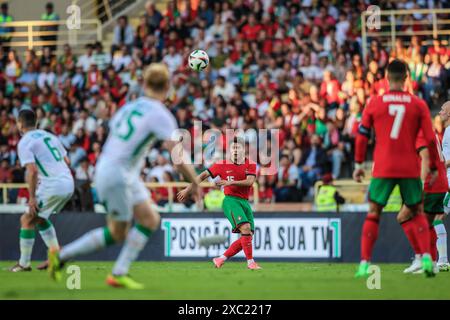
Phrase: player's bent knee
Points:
(150, 221)
(403, 215)
(245, 228)
(375, 209)
(118, 230)
(26, 221)
(146, 216)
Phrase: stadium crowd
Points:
(292, 65)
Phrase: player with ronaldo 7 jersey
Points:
(396, 117)
(237, 176)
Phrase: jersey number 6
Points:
(55, 152)
(398, 111)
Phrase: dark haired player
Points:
(237, 176)
(50, 184)
(396, 117)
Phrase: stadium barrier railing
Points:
(27, 34)
(150, 185)
(373, 26)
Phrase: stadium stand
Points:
(299, 66)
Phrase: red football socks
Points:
(422, 232)
(233, 249)
(246, 241)
(408, 227)
(433, 245)
(369, 236)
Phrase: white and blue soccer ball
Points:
(198, 60)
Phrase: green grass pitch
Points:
(200, 280)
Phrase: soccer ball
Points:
(198, 60)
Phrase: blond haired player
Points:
(117, 179)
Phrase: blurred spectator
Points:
(5, 174)
(173, 59)
(121, 58)
(13, 70)
(434, 80)
(6, 154)
(162, 165)
(46, 77)
(5, 17)
(68, 59)
(100, 58)
(265, 190)
(286, 187)
(84, 175)
(86, 60)
(93, 156)
(85, 122)
(327, 197)
(312, 164)
(50, 16)
(76, 154)
(223, 88)
(66, 137)
(206, 13)
(152, 16)
(123, 34)
(334, 146)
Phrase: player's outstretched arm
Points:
(183, 194)
(67, 161)
(182, 164)
(31, 178)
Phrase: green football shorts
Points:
(238, 212)
(433, 203)
(381, 188)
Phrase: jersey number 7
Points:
(398, 111)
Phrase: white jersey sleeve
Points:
(446, 144)
(165, 124)
(25, 153)
(446, 149)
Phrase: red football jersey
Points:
(396, 117)
(233, 172)
(440, 185)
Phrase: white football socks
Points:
(90, 242)
(26, 246)
(441, 241)
(48, 234)
(136, 240)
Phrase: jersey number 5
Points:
(398, 111)
(125, 127)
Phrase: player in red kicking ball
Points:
(237, 176)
